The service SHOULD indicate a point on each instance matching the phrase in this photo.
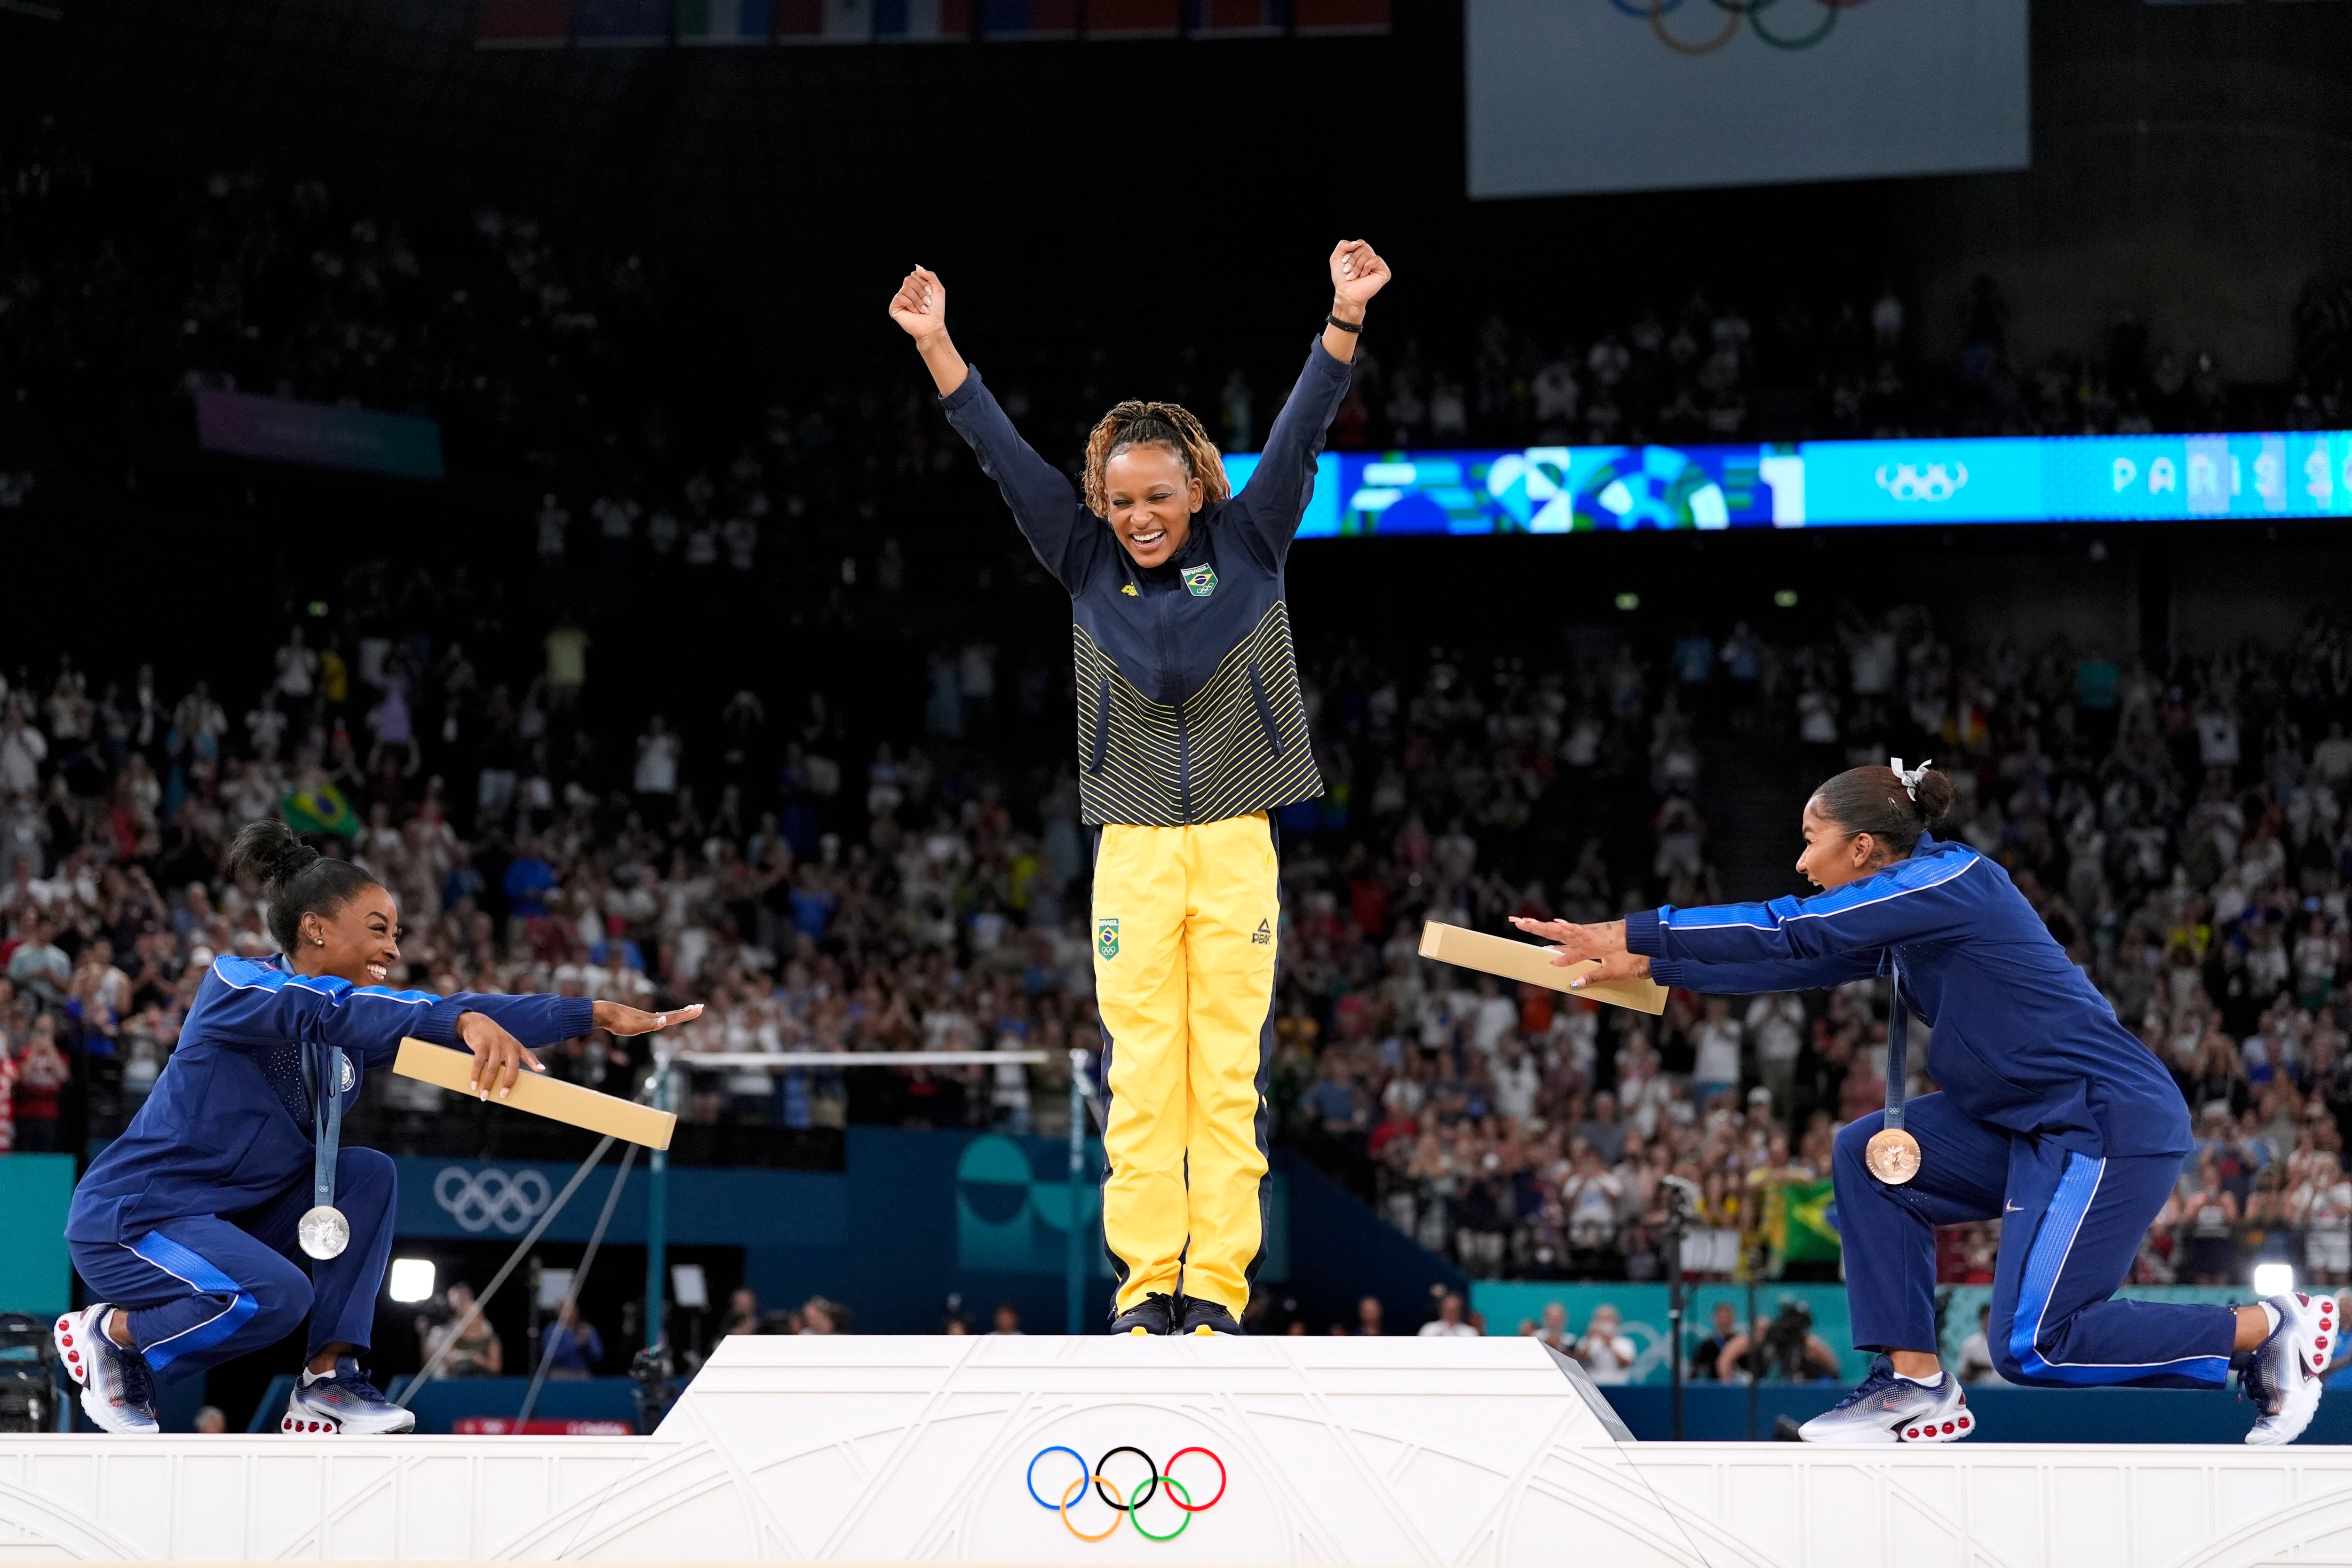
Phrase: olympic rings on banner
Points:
(1144, 1490)
(1073, 1488)
(1828, 20)
(1656, 11)
(1188, 1505)
(1658, 25)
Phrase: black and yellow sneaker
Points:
(1153, 1314)
(1206, 1317)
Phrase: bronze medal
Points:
(1892, 1155)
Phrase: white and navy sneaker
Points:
(1888, 1409)
(342, 1400)
(118, 1392)
(2284, 1374)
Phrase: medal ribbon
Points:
(1898, 1036)
(326, 1118)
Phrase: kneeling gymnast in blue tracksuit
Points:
(186, 1225)
(2051, 1117)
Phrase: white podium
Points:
(1375, 1452)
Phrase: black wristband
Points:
(1344, 326)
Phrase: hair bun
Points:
(270, 849)
(1936, 796)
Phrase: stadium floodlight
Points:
(412, 1279)
(2274, 1278)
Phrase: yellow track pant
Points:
(1185, 925)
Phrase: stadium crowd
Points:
(2185, 841)
(829, 880)
(124, 293)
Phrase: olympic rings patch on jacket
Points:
(1142, 1493)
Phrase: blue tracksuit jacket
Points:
(215, 1137)
(1190, 708)
(2021, 1037)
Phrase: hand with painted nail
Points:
(498, 1057)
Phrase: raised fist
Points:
(1357, 271)
(920, 306)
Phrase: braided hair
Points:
(1134, 423)
(296, 880)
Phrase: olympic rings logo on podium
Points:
(479, 1200)
(1179, 1495)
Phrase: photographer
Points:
(1782, 1349)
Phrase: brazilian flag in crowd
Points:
(1798, 1225)
(319, 808)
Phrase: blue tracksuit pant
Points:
(2071, 1225)
(204, 1289)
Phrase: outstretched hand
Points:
(1603, 944)
(619, 1018)
(920, 306)
(1357, 272)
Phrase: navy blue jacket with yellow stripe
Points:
(217, 1136)
(1189, 704)
(2022, 1036)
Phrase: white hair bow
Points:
(1909, 777)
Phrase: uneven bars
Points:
(787, 1060)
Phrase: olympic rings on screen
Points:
(1752, 10)
(1804, 41)
(1143, 1492)
(1658, 25)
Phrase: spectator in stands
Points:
(41, 1076)
(569, 1346)
(1976, 1354)
(1448, 1323)
(1707, 1357)
(473, 1349)
(1606, 1350)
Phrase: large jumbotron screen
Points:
(1817, 484)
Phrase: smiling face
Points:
(1153, 499)
(358, 942)
(1832, 856)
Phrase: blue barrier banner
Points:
(1642, 1308)
(35, 1275)
(1828, 484)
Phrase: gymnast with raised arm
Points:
(1191, 730)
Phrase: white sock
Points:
(308, 1376)
(2271, 1315)
(1935, 1381)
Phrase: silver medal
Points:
(323, 1232)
